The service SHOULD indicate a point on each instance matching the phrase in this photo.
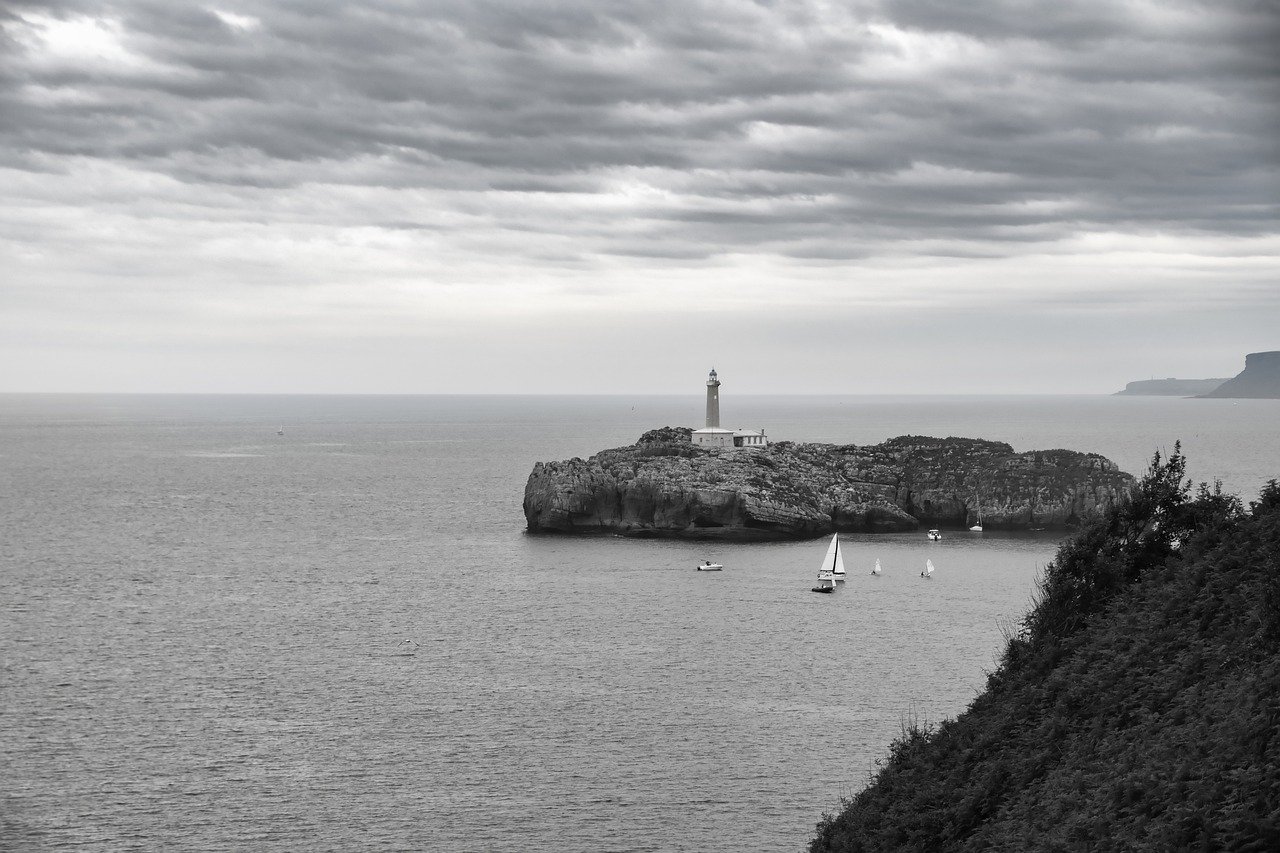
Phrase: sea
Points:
(286, 623)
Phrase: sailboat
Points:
(928, 569)
(876, 570)
(832, 568)
(977, 528)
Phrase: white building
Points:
(713, 435)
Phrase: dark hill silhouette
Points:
(1137, 708)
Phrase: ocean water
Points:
(214, 637)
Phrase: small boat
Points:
(406, 649)
(708, 566)
(935, 534)
(977, 527)
(280, 431)
(928, 569)
(876, 570)
(832, 567)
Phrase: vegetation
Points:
(1137, 708)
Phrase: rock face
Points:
(665, 486)
(1260, 378)
(1169, 387)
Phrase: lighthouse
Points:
(713, 400)
(713, 436)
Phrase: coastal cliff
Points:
(1135, 708)
(665, 486)
(1259, 379)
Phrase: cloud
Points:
(560, 153)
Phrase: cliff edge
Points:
(1259, 379)
(665, 486)
(1137, 708)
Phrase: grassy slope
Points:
(1138, 708)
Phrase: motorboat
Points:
(708, 566)
(935, 534)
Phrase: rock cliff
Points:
(665, 486)
(1260, 378)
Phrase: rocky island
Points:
(666, 486)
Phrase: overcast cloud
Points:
(579, 196)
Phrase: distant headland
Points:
(1259, 379)
(1170, 387)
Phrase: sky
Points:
(581, 197)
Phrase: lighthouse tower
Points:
(713, 436)
(713, 400)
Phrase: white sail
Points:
(829, 561)
(837, 560)
(876, 570)
(928, 567)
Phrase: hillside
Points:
(1260, 378)
(1138, 708)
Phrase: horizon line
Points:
(736, 394)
